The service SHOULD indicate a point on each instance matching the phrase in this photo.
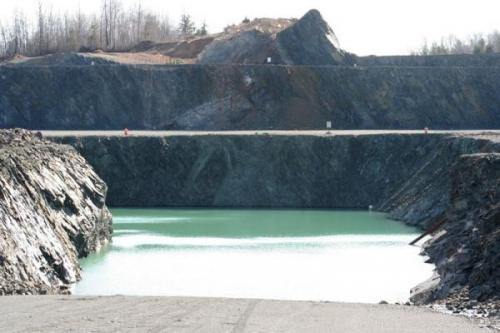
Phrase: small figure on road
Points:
(125, 132)
(426, 130)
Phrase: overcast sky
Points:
(362, 26)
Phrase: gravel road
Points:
(170, 314)
(260, 132)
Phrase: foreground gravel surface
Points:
(165, 314)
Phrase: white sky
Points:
(362, 26)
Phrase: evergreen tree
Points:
(186, 26)
(202, 31)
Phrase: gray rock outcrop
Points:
(416, 178)
(466, 250)
(311, 41)
(248, 97)
(407, 176)
(52, 212)
(308, 41)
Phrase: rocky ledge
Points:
(52, 212)
(466, 250)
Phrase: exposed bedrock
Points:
(52, 212)
(248, 97)
(419, 179)
(466, 250)
(406, 175)
(308, 41)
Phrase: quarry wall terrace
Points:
(235, 97)
(407, 175)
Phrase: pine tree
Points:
(202, 31)
(186, 26)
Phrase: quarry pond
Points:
(321, 255)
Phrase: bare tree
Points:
(41, 28)
(113, 27)
(476, 44)
(138, 23)
(19, 33)
(3, 41)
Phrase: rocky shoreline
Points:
(423, 177)
(466, 250)
(53, 212)
(457, 178)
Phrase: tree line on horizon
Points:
(476, 44)
(113, 28)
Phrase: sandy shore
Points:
(171, 314)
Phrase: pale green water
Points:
(277, 254)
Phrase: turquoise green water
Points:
(277, 254)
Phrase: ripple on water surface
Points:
(276, 254)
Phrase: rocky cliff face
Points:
(52, 212)
(308, 41)
(311, 41)
(231, 89)
(407, 175)
(247, 97)
(466, 250)
(418, 179)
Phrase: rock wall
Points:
(307, 41)
(52, 212)
(248, 97)
(466, 250)
(407, 175)
(311, 41)
(417, 178)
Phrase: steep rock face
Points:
(406, 175)
(52, 212)
(467, 249)
(247, 97)
(418, 179)
(311, 41)
(245, 47)
(308, 41)
(423, 195)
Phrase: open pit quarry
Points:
(242, 124)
